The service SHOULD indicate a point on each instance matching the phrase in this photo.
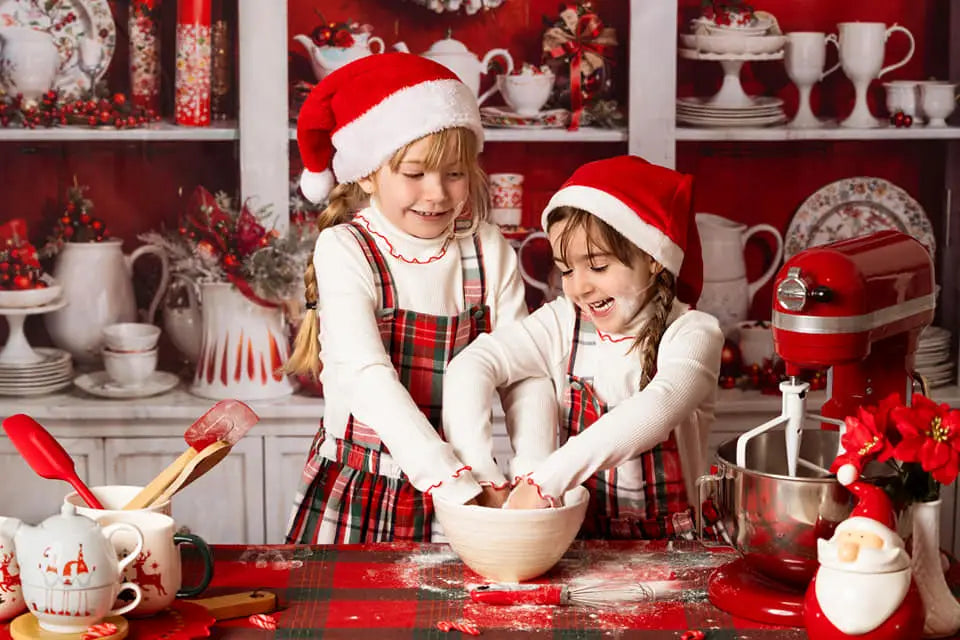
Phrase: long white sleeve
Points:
(525, 352)
(688, 364)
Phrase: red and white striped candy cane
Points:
(102, 630)
(264, 621)
(463, 627)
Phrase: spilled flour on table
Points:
(439, 575)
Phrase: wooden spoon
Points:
(227, 421)
(199, 465)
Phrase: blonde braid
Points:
(648, 342)
(305, 358)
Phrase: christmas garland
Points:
(52, 111)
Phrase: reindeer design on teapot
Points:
(69, 570)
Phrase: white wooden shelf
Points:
(584, 134)
(159, 131)
(829, 132)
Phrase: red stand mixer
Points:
(858, 307)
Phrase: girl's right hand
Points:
(526, 495)
(493, 497)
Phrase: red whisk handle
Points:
(516, 594)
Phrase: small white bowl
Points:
(510, 545)
(131, 336)
(129, 369)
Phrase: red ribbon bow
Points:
(589, 27)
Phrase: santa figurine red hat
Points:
(649, 205)
(864, 588)
(358, 116)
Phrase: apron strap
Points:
(471, 265)
(382, 277)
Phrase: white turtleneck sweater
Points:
(680, 398)
(358, 376)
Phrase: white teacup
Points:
(113, 497)
(156, 568)
(526, 93)
(129, 369)
(755, 342)
(805, 53)
(131, 336)
(937, 101)
(902, 95)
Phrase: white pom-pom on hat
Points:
(847, 474)
(316, 185)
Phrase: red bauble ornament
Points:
(22, 282)
(730, 359)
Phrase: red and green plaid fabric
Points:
(643, 498)
(351, 499)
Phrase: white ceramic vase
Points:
(244, 345)
(940, 606)
(96, 278)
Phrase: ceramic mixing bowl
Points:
(510, 545)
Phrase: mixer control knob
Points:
(792, 291)
(821, 294)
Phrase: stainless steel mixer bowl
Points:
(773, 519)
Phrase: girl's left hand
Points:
(526, 496)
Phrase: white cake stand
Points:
(731, 94)
(18, 350)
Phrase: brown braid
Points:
(305, 359)
(648, 342)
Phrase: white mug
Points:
(862, 49)
(156, 568)
(805, 53)
(11, 593)
(113, 497)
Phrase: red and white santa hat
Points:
(360, 114)
(874, 509)
(650, 205)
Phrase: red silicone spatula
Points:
(45, 455)
(227, 421)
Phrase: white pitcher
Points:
(244, 344)
(97, 284)
(726, 292)
(29, 62)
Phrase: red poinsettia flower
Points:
(930, 435)
(250, 233)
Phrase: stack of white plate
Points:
(933, 360)
(51, 374)
(765, 111)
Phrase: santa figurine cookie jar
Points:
(864, 588)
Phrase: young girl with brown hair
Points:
(404, 275)
(635, 368)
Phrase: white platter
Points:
(99, 384)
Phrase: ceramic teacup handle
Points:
(370, 42)
(493, 53)
(835, 41)
(205, 555)
(529, 279)
(907, 57)
(130, 605)
(111, 529)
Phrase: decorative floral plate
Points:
(855, 207)
(550, 119)
(68, 21)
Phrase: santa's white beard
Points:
(856, 603)
(870, 561)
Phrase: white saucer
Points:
(99, 384)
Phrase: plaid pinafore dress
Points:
(351, 499)
(643, 498)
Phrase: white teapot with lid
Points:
(455, 56)
(69, 571)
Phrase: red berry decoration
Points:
(730, 360)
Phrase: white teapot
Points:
(455, 56)
(69, 571)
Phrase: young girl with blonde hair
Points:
(634, 366)
(404, 275)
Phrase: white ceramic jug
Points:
(244, 344)
(97, 283)
(726, 292)
(29, 62)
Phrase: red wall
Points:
(135, 186)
